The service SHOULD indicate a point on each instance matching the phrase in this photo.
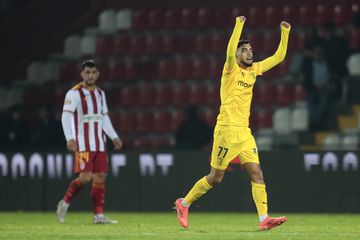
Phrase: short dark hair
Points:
(242, 42)
(89, 63)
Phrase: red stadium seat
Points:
(185, 43)
(204, 17)
(299, 41)
(162, 95)
(256, 16)
(271, 41)
(216, 66)
(213, 94)
(161, 122)
(290, 14)
(140, 19)
(188, 18)
(104, 45)
(284, 95)
(264, 119)
(219, 43)
(155, 19)
(168, 44)
(116, 71)
(272, 16)
(127, 122)
(210, 116)
(255, 41)
(283, 68)
(324, 14)
(182, 69)
(222, 17)
(142, 143)
(197, 94)
(236, 12)
(145, 96)
(180, 95)
(153, 44)
(171, 20)
(144, 122)
(104, 70)
(265, 94)
(131, 70)
(166, 69)
(176, 117)
(200, 68)
(307, 15)
(121, 45)
(201, 43)
(128, 97)
(342, 14)
(354, 39)
(137, 45)
(299, 95)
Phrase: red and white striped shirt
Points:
(90, 109)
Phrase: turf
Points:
(41, 226)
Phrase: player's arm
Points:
(230, 62)
(67, 121)
(108, 127)
(280, 53)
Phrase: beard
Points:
(247, 64)
(89, 82)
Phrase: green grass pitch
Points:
(39, 226)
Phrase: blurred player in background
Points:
(232, 135)
(85, 119)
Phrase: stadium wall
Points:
(296, 182)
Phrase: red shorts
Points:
(91, 162)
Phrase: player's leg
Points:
(84, 166)
(98, 188)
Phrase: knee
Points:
(256, 175)
(214, 179)
(85, 178)
(99, 177)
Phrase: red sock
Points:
(74, 188)
(98, 197)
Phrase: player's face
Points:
(90, 75)
(244, 55)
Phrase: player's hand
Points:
(71, 145)
(241, 18)
(285, 24)
(117, 143)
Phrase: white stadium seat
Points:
(107, 20)
(299, 119)
(88, 45)
(72, 46)
(123, 19)
(281, 120)
(350, 142)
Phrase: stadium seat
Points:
(201, 43)
(166, 69)
(200, 68)
(185, 43)
(299, 119)
(283, 67)
(139, 20)
(161, 122)
(272, 16)
(168, 44)
(121, 45)
(255, 41)
(34, 72)
(162, 95)
(145, 96)
(284, 94)
(123, 19)
(236, 12)
(204, 17)
(299, 95)
(332, 142)
(153, 44)
(271, 41)
(171, 20)
(353, 64)
(263, 119)
(155, 19)
(104, 70)
(324, 14)
(88, 45)
(116, 71)
(176, 117)
(342, 14)
(148, 69)
(354, 39)
(282, 120)
(180, 95)
(256, 16)
(137, 45)
(188, 18)
(69, 72)
(350, 142)
(104, 45)
(210, 116)
(128, 97)
(141, 143)
(264, 142)
(213, 94)
(183, 68)
(222, 17)
(219, 43)
(131, 70)
(307, 15)
(216, 66)
(265, 94)
(197, 94)
(72, 46)
(144, 122)
(107, 21)
(290, 14)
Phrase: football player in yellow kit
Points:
(232, 135)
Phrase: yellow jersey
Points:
(237, 84)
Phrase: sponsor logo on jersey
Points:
(244, 84)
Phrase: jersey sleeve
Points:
(230, 62)
(105, 109)
(70, 102)
(279, 55)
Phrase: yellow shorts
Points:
(230, 142)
